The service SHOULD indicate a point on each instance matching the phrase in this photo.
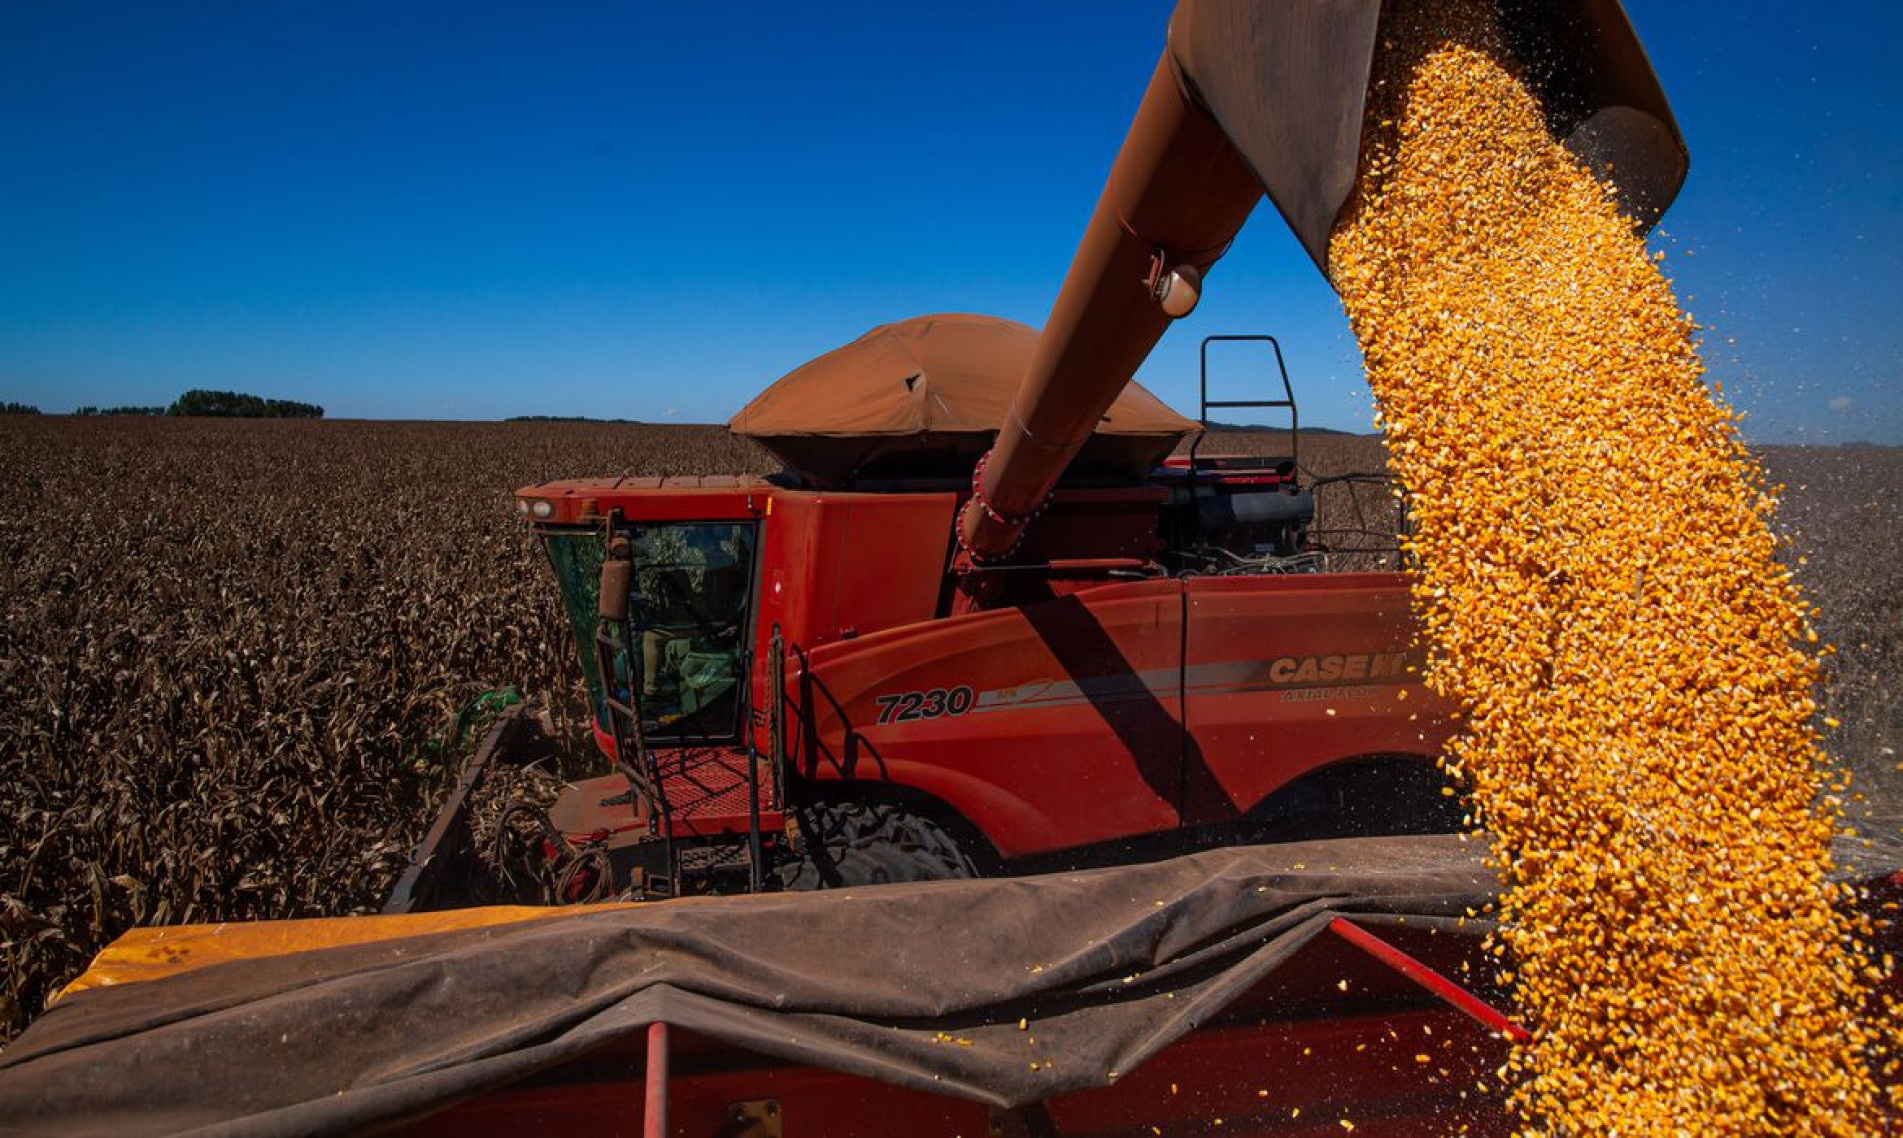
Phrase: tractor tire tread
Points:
(845, 844)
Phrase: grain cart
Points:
(981, 624)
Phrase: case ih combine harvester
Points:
(818, 680)
(980, 627)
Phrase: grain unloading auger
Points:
(877, 667)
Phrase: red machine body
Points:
(1057, 703)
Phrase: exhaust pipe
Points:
(1268, 96)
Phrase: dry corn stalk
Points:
(225, 646)
(1598, 584)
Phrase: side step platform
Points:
(706, 830)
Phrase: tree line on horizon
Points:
(201, 404)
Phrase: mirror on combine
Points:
(611, 603)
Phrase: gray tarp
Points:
(859, 980)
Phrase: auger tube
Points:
(1267, 96)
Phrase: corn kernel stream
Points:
(1599, 591)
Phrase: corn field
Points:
(227, 648)
(232, 652)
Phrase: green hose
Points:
(477, 712)
(482, 709)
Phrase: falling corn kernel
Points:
(1630, 670)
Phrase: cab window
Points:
(692, 582)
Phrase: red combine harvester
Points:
(982, 625)
(811, 680)
(913, 657)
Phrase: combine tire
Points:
(870, 843)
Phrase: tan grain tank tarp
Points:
(155, 953)
(925, 396)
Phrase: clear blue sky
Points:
(475, 210)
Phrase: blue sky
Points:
(478, 210)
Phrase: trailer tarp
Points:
(920, 985)
(1106, 967)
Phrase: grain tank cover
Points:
(924, 398)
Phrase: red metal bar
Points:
(654, 1111)
(1426, 977)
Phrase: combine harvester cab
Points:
(910, 659)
